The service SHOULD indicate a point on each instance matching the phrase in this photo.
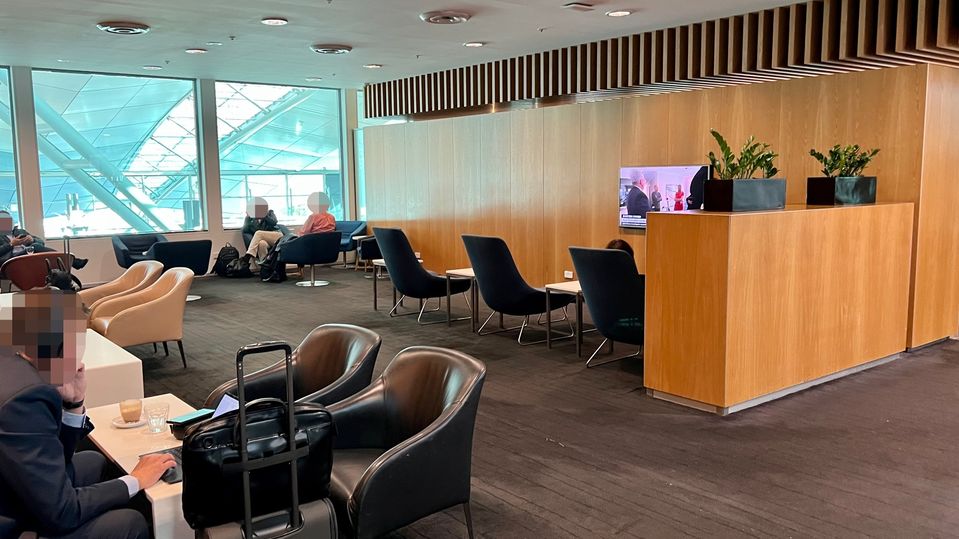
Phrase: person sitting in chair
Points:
(320, 219)
(262, 223)
(15, 241)
(45, 486)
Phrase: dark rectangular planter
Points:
(744, 195)
(843, 191)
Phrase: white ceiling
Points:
(38, 33)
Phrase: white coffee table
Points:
(113, 374)
(124, 447)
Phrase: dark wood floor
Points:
(562, 451)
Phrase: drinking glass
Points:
(156, 417)
(131, 410)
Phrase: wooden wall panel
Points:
(545, 179)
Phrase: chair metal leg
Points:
(166, 351)
(589, 362)
(469, 519)
(312, 282)
(521, 328)
(182, 355)
(154, 348)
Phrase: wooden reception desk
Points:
(743, 308)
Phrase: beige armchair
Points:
(136, 278)
(152, 315)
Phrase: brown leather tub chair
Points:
(403, 446)
(332, 363)
(152, 315)
(136, 278)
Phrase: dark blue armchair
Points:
(615, 294)
(349, 229)
(131, 248)
(310, 250)
(193, 254)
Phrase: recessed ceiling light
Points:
(123, 28)
(214, 43)
(474, 44)
(195, 51)
(153, 68)
(274, 21)
(314, 79)
(330, 48)
(373, 66)
(619, 13)
(445, 17)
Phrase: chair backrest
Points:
(317, 248)
(193, 254)
(423, 383)
(497, 276)
(172, 287)
(135, 278)
(369, 249)
(329, 352)
(614, 291)
(30, 270)
(406, 272)
(139, 243)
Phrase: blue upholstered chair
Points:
(349, 229)
(310, 250)
(408, 275)
(193, 254)
(503, 288)
(131, 248)
(615, 294)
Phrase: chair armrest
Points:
(114, 306)
(361, 419)
(267, 382)
(120, 251)
(141, 320)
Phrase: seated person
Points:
(622, 246)
(45, 487)
(15, 241)
(320, 220)
(261, 222)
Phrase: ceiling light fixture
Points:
(274, 21)
(314, 79)
(330, 48)
(619, 13)
(474, 44)
(153, 68)
(123, 28)
(373, 66)
(579, 6)
(195, 51)
(214, 43)
(445, 17)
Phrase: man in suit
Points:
(637, 203)
(45, 487)
(15, 241)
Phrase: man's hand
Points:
(151, 467)
(76, 390)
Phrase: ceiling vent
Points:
(578, 6)
(123, 28)
(328, 48)
(445, 17)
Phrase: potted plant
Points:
(843, 183)
(734, 188)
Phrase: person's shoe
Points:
(80, 263)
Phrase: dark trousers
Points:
(116, 524)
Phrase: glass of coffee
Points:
(131, 410)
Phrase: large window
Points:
(8, 177)
(280, 143)
(118, 154)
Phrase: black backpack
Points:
(229, 264)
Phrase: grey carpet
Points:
(562, 451)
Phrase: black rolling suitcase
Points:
(241, 476)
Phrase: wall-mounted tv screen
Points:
(647, 189)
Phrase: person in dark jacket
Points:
(45, 486)
(637, 203)
(696, 187)
(262, 223)
(15, 241)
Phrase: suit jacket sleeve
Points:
(34, 465)
(5, 247)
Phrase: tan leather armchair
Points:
(152, 315)
(136, 278)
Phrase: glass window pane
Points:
(8, 175)
(118, 154)
(280, 143)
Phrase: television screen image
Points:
(647, 189)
